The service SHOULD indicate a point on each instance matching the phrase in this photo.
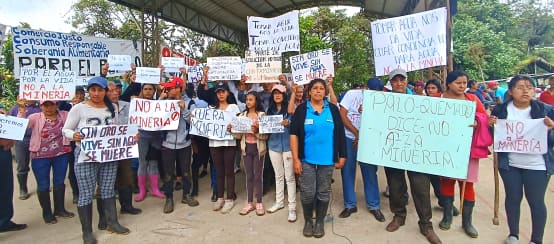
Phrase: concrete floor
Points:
(202, 225)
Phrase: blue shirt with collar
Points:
(318, 138)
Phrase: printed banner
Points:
(154, 115)
(119, 63)
(68, 52)
(263, 66)
(44, 84)
(195, 73)
(173, 64)
(108, 143)
(521, 136)
(211, 123)
(417, 133)
(410, 42)
(12, 128)
(308, 66)
(280, 34)
(224, 68)
(148, 75)
(271, 124)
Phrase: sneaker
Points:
(292, 215)
(218, 204)
(511, 240)
(276, 207)
(229, 204)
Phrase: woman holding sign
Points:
(315, 151)
(96, 111)
(456, 83)
(522, 171)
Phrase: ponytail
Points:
(110, 106)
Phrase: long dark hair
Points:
(516, 79)
(230, 99)
(259, 103)
(434, 82)
(272, 109)
(107, 101)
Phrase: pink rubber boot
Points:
(142, 188)
(154, 189)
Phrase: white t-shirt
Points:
(233, 108)
(351, 102)
(523, 160)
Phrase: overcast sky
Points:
(40, 14)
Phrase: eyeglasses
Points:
(524, 88)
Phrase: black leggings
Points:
(224, 158)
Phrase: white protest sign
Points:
(411, 42)
(241, 124)
(211, 123)
(521, 136)
(12, 128)
(290, 78)
(280, 34)
(308, 66)
(263, 66)
(271, 124)
(69, 52)
(43, 84)
(173, 64)
(224, 68)
(119, 63)
(154, 115)
(148, 75)
(243, 66)
(108, 143)
(195, 73)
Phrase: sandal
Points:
(247, 209)
(260, 209)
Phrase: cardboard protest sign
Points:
(108, 143)
(211, 123)
(148, 75)
(173, 64)
(44, 84)
(119, 63)
(263, 66)
(154, 115)
(411, 42)
(521, 136)
(271, 124)
(308, 66)
(417, 133)
(224, 68)
(195, 73)
(13, 128)
(280, 34)
(69, 52)
(241, 124)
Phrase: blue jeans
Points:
(6, 188)
(41, 169)
(369, 177)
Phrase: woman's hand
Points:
(181, 104)
(285, 122)
(492, 120)
(77, 136)
(340, 163)
(255, 127)
(297, 166)
(229, 127)
(548, 122)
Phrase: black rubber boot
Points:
(446, 221)
(59, 203)
(189, 200)
(101, 216)
(467, 213)
(320, 213)
(110, 214)
(308, 210)
(23, 191)
(44, 200)
(85, 216)
(126, 202)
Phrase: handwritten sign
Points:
(271, 124)
(148, 75)
(410, 42)
(416, 133)
(173, 64)
(241, 124)
(211, 123)
(195, 73)
(521, 136)
(44, 84)
(308, 66)
(224, 68)
(69, 52)
(119, 63)
(263, 66)
(108, 143)
(280, 34)
(154, 115)
(13, 128)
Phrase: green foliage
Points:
(221, 48)
(7, 52)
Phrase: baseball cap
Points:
(279, 88)
(490, 84)
(375, 84)
(221, 86)
(99, 81)
(396, 72)
(175, 82)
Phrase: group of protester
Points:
(321, 134)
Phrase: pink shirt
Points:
(37, 123)
(51, 140)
